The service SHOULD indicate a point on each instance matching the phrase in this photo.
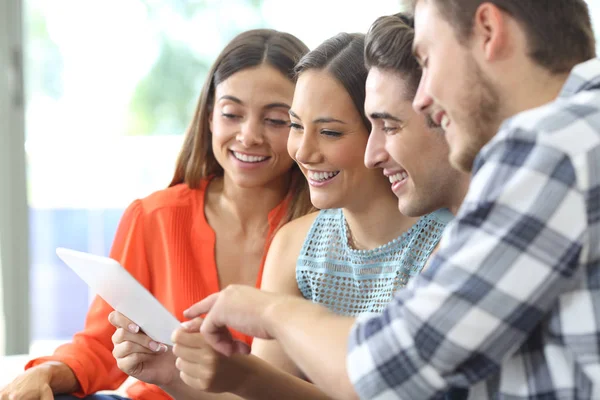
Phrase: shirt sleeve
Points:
(512, 250)
(89, 355)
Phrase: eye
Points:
(277, 122)
(330, 133)
(295, 126)
(390, 130)
(230, 116)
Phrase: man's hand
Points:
(243, 308)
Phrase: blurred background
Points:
(109, 88)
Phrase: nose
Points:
(375, 154)
(307, 150)
(422, 101)
(251, 133)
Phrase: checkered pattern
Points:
(510, 305)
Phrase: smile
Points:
(399, 177)
(320, 178)
(248, 158)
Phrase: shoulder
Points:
(173, 197)
(295, 231)
(568, 125)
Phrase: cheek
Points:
(220, 132)
(278, 142)
(292, 145)
(348, 156)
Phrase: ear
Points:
(490, 33)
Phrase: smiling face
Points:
(412, 155)
(328, 139)
(249, 125)
(456, 94)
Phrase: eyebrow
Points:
(268, 106)
(384, 115)
(320, 120)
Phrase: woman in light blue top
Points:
(351, 256)
(359, 249)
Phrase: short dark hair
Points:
(342, 56)
(388, 46)
(559, 32)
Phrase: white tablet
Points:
(117, 287)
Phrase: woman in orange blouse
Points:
(234, 185)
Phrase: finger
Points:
(118, 320)
(194, 369)
(193, 325)
(191, 353)
(218, 337)
(188, 339)
(191, 381)
(134, 363)
(202, 307)
(125, 349)
(121, 335)
(241, 347)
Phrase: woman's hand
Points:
(203, 368)
(139, 356)
(33, 384)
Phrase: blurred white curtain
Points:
(14, 238)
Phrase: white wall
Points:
(14, 263)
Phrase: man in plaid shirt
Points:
(510, 305)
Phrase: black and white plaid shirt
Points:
(510, 305)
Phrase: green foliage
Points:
(164, 99)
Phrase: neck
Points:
(250, 206)
(532, 89)
(377, 220)
(460, 191)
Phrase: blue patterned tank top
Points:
(351, 282)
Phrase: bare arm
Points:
(267, 373)
(280, 277)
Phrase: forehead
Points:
(253, 84)
(386, 88)
(319, 94)
(425, 22)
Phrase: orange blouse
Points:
(165, 242)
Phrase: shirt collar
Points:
(584, 76)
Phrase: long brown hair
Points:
(196, 160)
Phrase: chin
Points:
(410, 209)
(461, 161)
(322, 203)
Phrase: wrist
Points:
(275, 314)
(60, 377)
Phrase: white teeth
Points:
(400, 176)
(321, 176)
(247, 158)
(445, 122)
